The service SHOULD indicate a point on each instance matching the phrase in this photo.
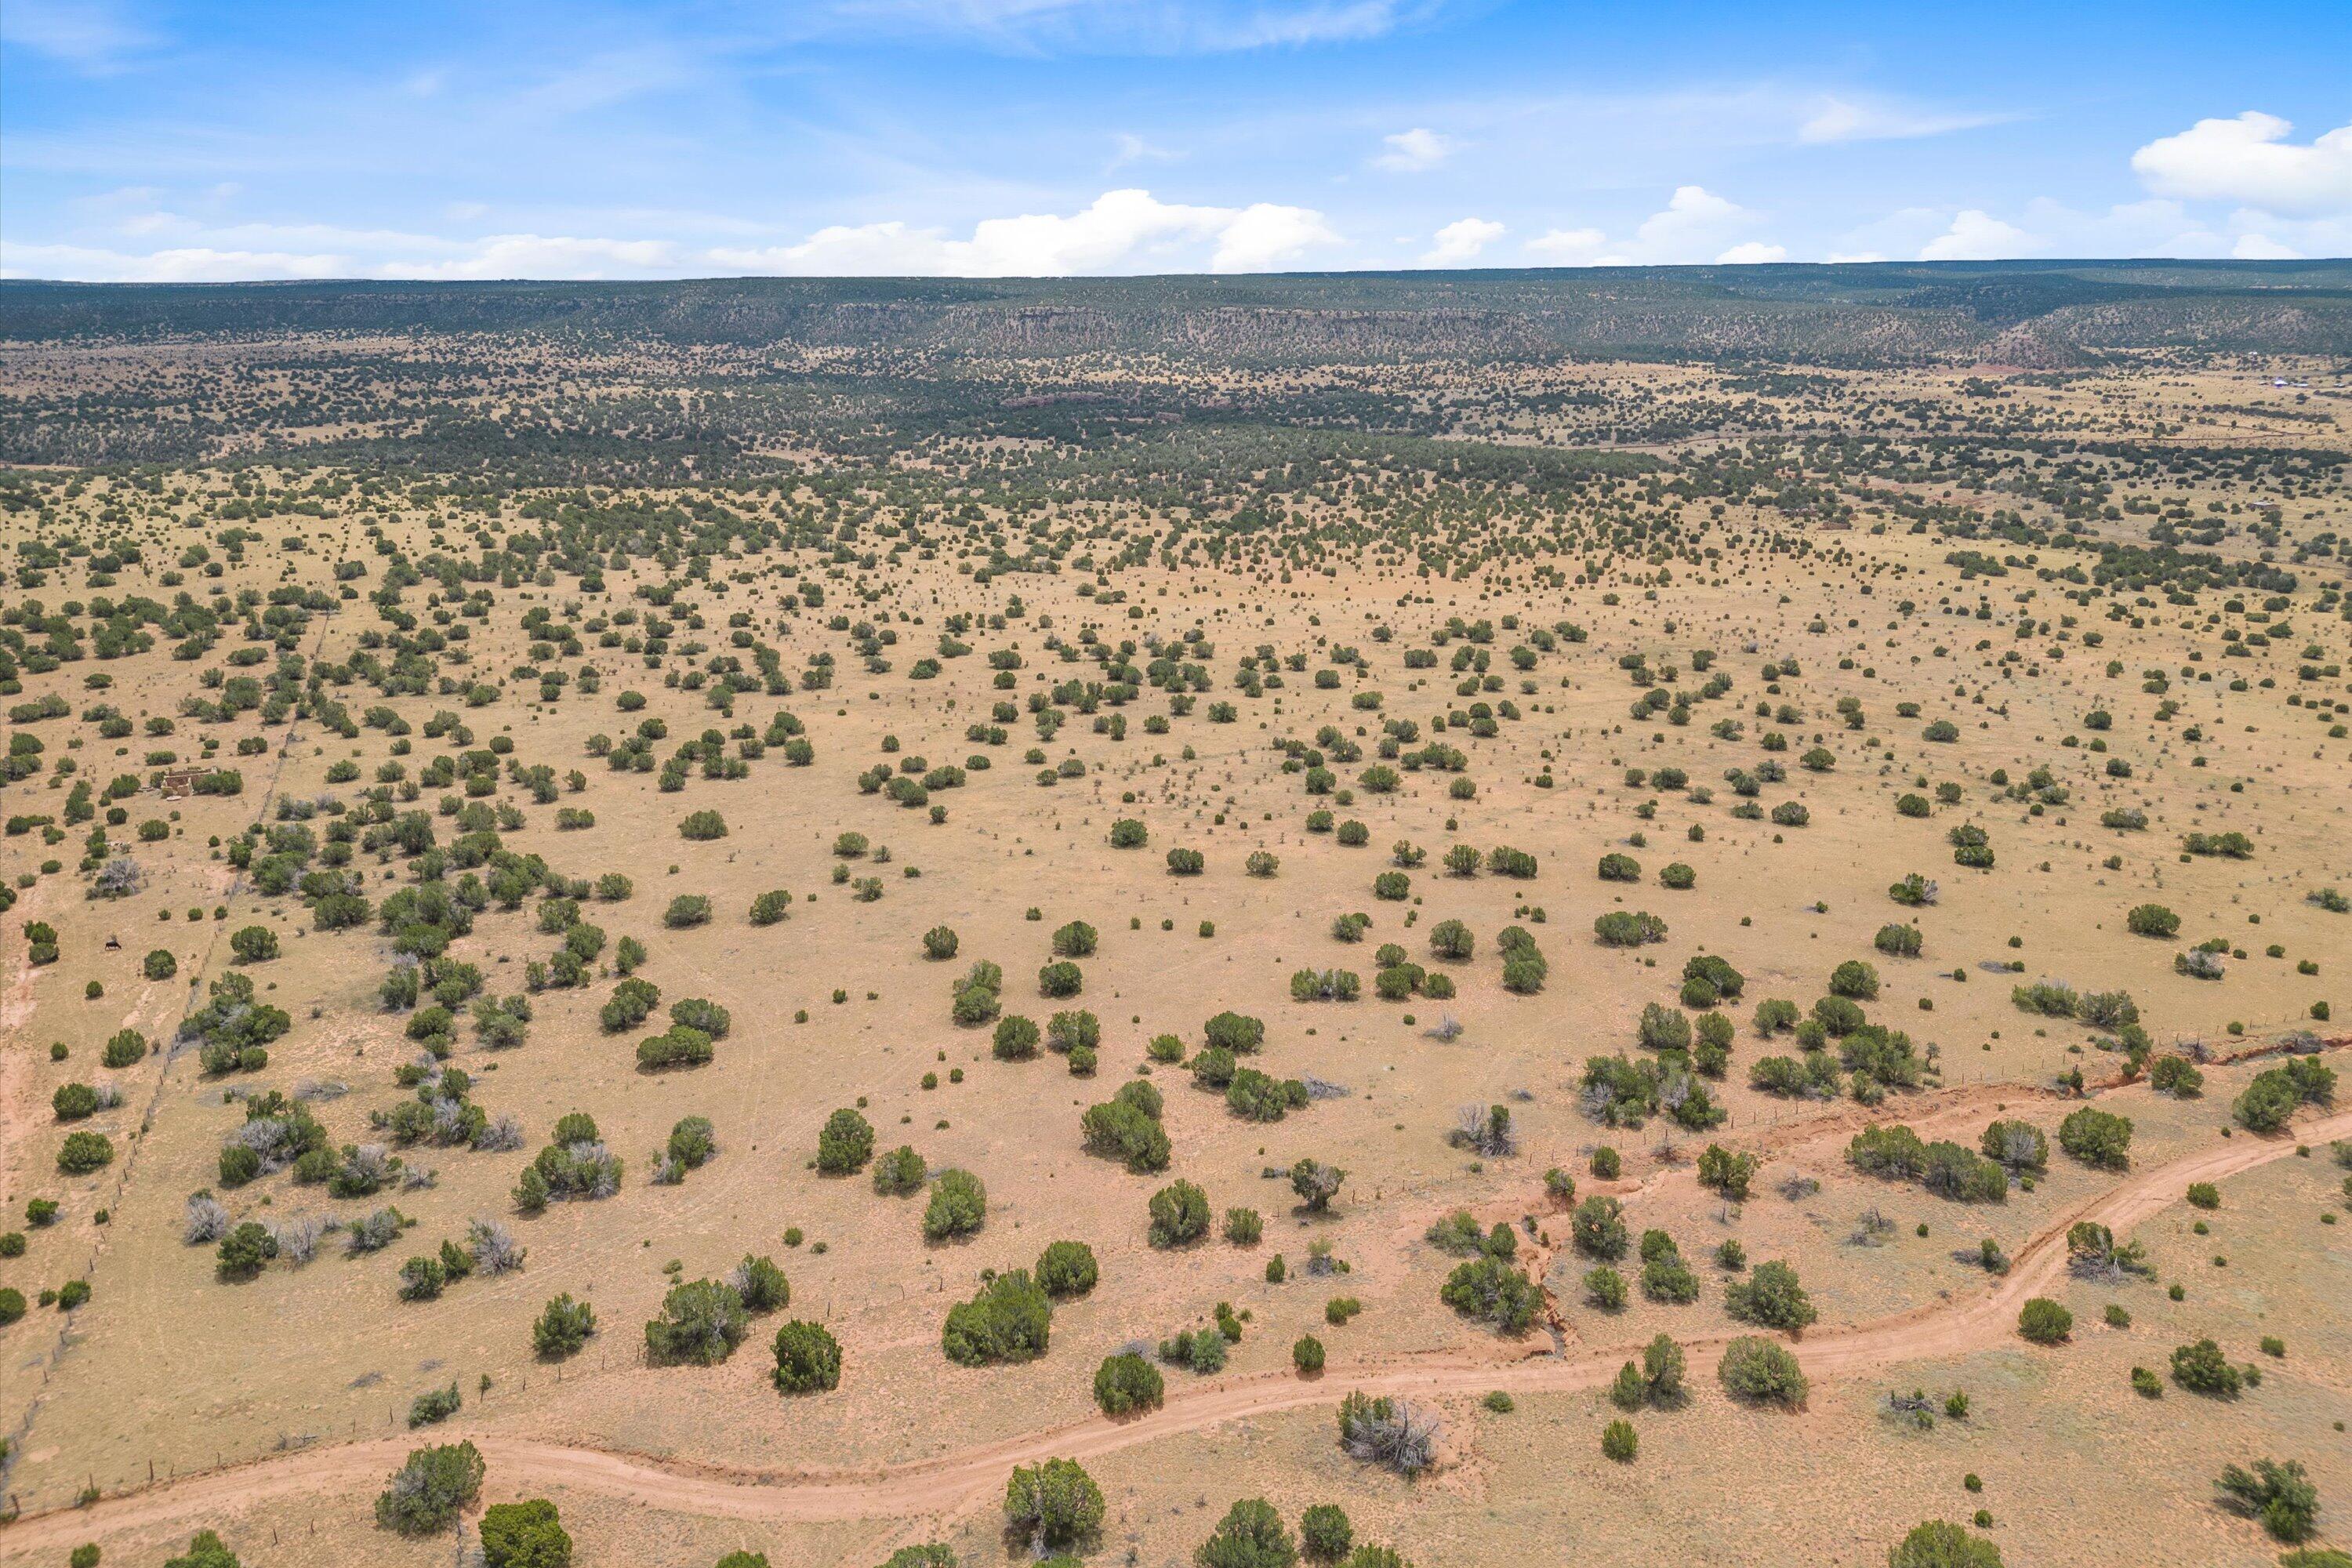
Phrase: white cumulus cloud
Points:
(544, 255)
(1977, 236)
(184, 264)
(1459, 243)
(2263, 247)
(1265, 234)
(1126, 230)
(1411, 151)
(2248, 160)
(1691, 214)
(1694, 226)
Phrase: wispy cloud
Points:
(1128, 27)
(1835, 117)
(1128, 148)
(94, 37)
(1411, 151)
(611, 77)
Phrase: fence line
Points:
(122, 1170)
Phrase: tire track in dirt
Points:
(944, 1485)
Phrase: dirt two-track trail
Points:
(521, 1466)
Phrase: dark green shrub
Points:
(254, 944)
(901, 1171)
(845, 1144)
(1325, 1533)
(1491, 1291)
(2201, 1368)
(1180, 1213)
(427, 1494)
(244, 1250)
(1251, 1535)
(563, 1328)
(1053, 1504)
(1016, 1039)
(2096, 1137)
(1598, 1227)
(1127, 1383)
(1770, 1297)
(2044, 1321)
(1755, 1368)
(1011, 1320)
(808, 1359)
(1899, 941)
(2280, 1496)
(677, 1047)
(701, 1321)
(1940, 1544)
(692, 1142)
(524, 1535)
(1120, 1129)
(84, 1151)
(1625, 927)
(1066, 1268)
(760, 1285)
(206, 1550)
(959, 1206)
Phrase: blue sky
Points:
(144, 139)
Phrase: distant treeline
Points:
(2044, 313)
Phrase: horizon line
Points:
(2272, 264)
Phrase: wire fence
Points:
(117, 1182)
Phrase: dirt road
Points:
(520, 1466)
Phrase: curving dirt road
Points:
(522, 1465)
